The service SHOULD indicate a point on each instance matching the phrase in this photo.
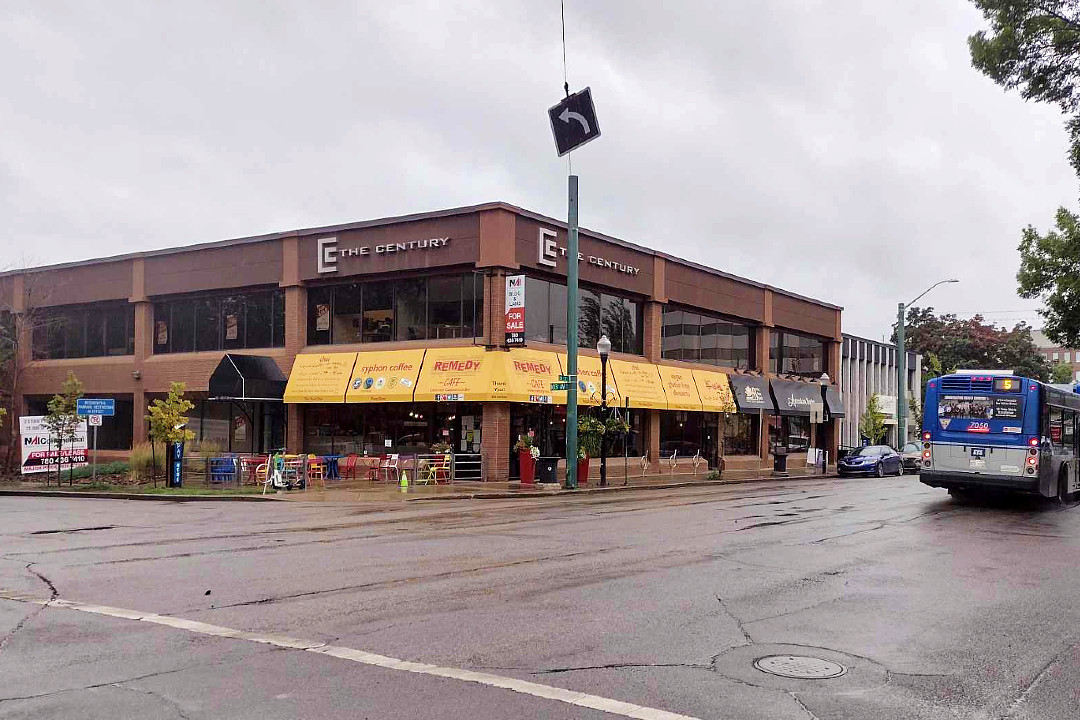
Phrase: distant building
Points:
(868, 367)
(1055, 354)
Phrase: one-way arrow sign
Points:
(573, 122)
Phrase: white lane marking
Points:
(547, 692)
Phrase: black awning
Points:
(247, 377)
(833, 402)
(752, 394)
(795, 398)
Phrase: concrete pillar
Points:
(495, 442)
(294, 433)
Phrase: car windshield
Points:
(911, 447)
(872, 451)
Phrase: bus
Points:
(988, 429)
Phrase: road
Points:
(649, 604)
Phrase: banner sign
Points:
(41, 452)
(515, 310)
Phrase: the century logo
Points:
(329, 252)
(548, 252)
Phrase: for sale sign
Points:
(41, 449)
(515, 310)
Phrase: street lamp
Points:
(603, 347)
(901, 365)
(823, 381)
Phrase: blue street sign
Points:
(96, 406)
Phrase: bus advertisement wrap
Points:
(980, 407)
(40, 449)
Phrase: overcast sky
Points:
(841, 149)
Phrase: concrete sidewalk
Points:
(505, 490)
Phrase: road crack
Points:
(621, 666)
(803, 706)
(37, 610)
(1018, 703)
(142, 691)
(738, 623)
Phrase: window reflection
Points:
(711, 340)
(222, 322)
(106, 328)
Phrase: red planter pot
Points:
(583, 471)
(527, 466)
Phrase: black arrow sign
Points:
(573, 121)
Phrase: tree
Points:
(63, 419)
(872, 422)
(1050, 271)
(168, 420)
(1061, 373)
(1034, 46)
(950, 343)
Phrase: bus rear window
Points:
(981, 407)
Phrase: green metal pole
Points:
(572, 335)
(901, 380)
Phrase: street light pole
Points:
(603, 347)
(901, 366)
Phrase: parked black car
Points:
(880, 460)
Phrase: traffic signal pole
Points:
(572, 335)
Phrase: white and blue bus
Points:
(988, 429)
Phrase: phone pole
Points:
(572, 335)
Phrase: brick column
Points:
(761, 342)
(652, 432)
(495, 442)
(651, 330)
(495, 307)
(144, 347)
(295, 334)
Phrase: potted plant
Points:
(590, 435)
(527, 456)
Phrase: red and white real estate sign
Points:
(515, 310)
(41, 451)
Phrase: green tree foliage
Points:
(167, 417)
(950, 343)
(63, 418)
(1034, 46)
(1050, 271)
(1061, 373)
(872, 422)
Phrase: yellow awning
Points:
(589, 381)
(640, 382)
(680, 388)
(715, 391)
(388, 376)
(319, 378)
(529, 374)
(460, 374)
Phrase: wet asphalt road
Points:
(662, 599)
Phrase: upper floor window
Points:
(708, 339)
(448, 306)
(97, 330)
(220, 322)
(794, 354)
(599, 314)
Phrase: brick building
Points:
(391, 337)
(1055, 354)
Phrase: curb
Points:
(610, 489)
(137, 496)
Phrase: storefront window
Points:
(114, 433)
(220, 322)
(707, 339)
(84, 331)
(794, 354)
(392, 428)
(790, 432)
(740, 434)
(449, 306)
(617, 317)
(685, 434)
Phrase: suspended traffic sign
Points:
(573, 121)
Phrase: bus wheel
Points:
(959, 494)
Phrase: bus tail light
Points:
(926, 454)
(926, 436)
(1032, 463)
(1033, 442)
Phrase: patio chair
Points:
(433, 469)
(316, 468)
(293, 470)
(249, 468)
(222, 470)
(391, 465)
(374, 467)
(348, 470)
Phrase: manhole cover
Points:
(799, 666)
